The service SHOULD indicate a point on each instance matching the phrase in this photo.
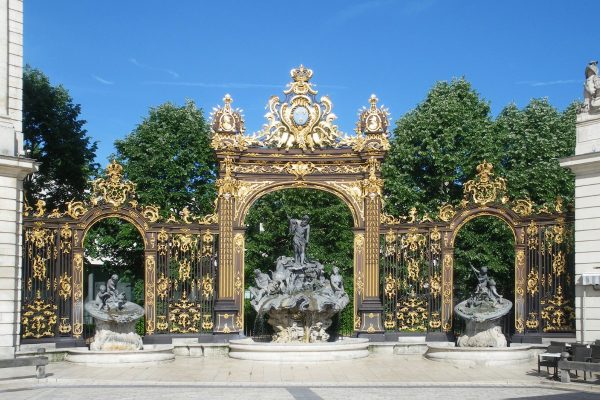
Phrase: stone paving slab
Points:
(378, 376)
(126, 392)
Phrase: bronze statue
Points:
(301, 231)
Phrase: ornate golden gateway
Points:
(194, 265)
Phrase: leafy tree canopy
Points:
(168, 156)
(54, 135)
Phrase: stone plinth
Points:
(347, 349)
(479, 356)
(149, 355)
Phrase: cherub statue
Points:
(493, 291)
(111, 286)
(482, 279)
(101, 298)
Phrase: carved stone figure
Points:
(318, 334)
(101, 297)
(591, 91)
(111, 285)
(298, 299)
(337, 283)
(482, 313)
(301, 231)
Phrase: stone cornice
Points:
(17, 167)
(582, 163)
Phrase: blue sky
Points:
(118, 58)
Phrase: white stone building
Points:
(586, 166)
(14, 167)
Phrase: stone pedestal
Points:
(111, 336)
(482, 334)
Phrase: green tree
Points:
(436, 147)
(331, 236)
(168, 156)
(530, 142)
(54, 135)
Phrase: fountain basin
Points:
(149, 355)
(346, 349)
(479, 356)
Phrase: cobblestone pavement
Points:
(376, 377)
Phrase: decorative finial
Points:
(373, 100)
(301, 74)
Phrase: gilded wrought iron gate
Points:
(194, 266)
(417, 257)
(180, 263)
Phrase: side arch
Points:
(468, 215)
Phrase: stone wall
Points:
(13, 169)
(586, 166)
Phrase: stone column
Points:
(13, 169)
(586, 167)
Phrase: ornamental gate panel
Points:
(417, 261)
(180, 263)
(194, 266)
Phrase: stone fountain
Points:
(299, 302)
(483, 342)
(115, 340)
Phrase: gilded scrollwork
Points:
(558, 313)
(38, 318)
(184, 316)
(65, 238)
(532, 282)
(207, 244)
(412, 314)
(207, 286)
(64, 286)
(162, 286)
(75, 209)
(523, 207)
(485, 189)
(151, 213)
(114, 190)
(300, 120)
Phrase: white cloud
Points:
(102, 80)
(135, 62)
(549, 83)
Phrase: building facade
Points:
(14, 167)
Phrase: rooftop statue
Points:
(591, 91)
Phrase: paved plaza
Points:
(377, 377)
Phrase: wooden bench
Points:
(565, 366)
(40, 361)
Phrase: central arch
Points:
(355, 210)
